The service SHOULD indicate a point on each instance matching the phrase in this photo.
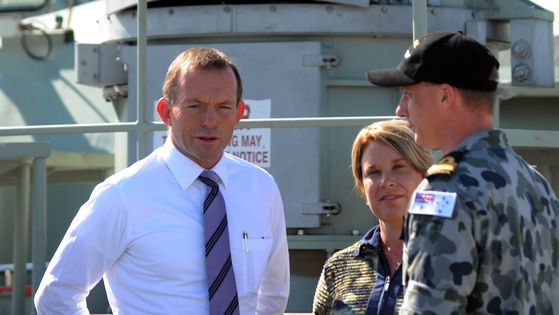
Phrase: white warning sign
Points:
(253, 144)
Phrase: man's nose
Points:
(401, 109)
(210, 117)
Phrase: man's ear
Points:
(164, 111)
(447, 95)
(241, 111)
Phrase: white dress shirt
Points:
(141, 231)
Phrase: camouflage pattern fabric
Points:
(348, 277)
(499, 252)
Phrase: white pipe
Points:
(419, 8)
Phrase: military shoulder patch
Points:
(446, 165)
(435, 203)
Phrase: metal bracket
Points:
(326, 207)
(99, 65)
(115, 92)
(324, 60)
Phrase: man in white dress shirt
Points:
(142, 229)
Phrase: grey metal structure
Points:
(303, 65)
(24, 165)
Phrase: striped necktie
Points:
(221, 277)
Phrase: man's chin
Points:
(419, 140)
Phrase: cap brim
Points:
(388, 78)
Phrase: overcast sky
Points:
(551, 5)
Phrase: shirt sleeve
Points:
(322, 296)
(273, 291)
(442, 259)
(93, 241)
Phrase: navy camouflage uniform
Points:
(499, 251)
(356, 281)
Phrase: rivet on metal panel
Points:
(521, 72)
(521, 48)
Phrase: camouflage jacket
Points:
(351, 274)
(498, 251)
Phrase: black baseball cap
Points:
(443, 57)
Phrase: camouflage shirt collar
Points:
(482, 140)
(371, 239)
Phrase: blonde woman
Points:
(366, 277)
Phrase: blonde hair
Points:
(397, 135)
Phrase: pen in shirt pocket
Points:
(245, 240)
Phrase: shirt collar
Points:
(370, 239)
(221, 170)
(185, 170)
(483, 140)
